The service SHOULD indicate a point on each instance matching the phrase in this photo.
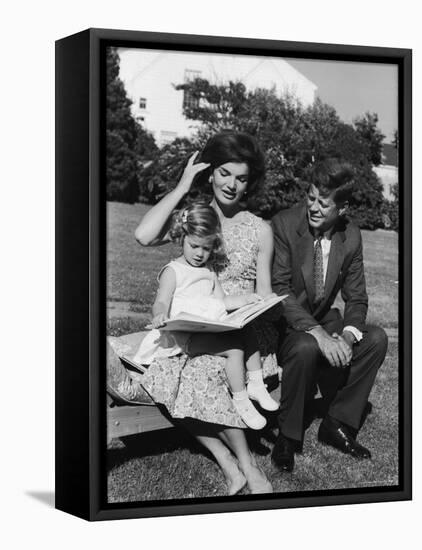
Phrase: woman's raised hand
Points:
(154, 226)
(191, 171)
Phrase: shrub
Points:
(292, 137)
(127, 143)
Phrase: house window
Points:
(142, 102)
(190, 102)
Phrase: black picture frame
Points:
(80, 272)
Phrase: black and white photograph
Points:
(252, 275)
(210, 301)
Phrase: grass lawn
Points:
(168, 464)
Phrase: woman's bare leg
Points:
(218, 442)
(209, 438)
(236, 440)
(234, 477)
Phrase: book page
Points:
(198, 325)
(187, 322)
(246, 313)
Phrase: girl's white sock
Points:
(239, 395)
(257, 390)
(255, 376)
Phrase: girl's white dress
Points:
(194, 294)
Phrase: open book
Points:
(235, 320)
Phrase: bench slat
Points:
(128, 420)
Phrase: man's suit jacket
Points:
(293, 271)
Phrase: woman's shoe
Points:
(259, 393)
(249, 414)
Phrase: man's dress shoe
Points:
(283, 455)
(334, 433)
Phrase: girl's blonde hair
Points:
(198, 220)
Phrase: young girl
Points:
(190, 285)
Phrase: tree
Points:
(121, 137)
(278, 125)
(146, 148)
(396, 139)
(367, 198)
(162, 175)
(217, 106)
(293, 138)
(261, 114)
(368, 131)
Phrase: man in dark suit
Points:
(318, 253)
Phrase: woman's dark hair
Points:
(231, 146)
(198, 220)
(333, 175)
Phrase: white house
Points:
(388, 171)
(149, 77)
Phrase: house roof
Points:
(143, 62)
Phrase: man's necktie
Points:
(318, 271)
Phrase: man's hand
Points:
(349, 338)
(334, 348)
(347, 348)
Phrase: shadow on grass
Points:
(155, 443)
(169, 464)
(150, 444)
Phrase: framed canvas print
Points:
(233, 274)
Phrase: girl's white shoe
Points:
(258, 391)
(249, 414)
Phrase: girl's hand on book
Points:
(268, 296)
(191, 171)
(252, 298)
(240, 300)
(159, 320)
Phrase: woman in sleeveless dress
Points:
(196, 388)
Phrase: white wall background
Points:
(27, 273)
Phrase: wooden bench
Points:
(124, 420)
